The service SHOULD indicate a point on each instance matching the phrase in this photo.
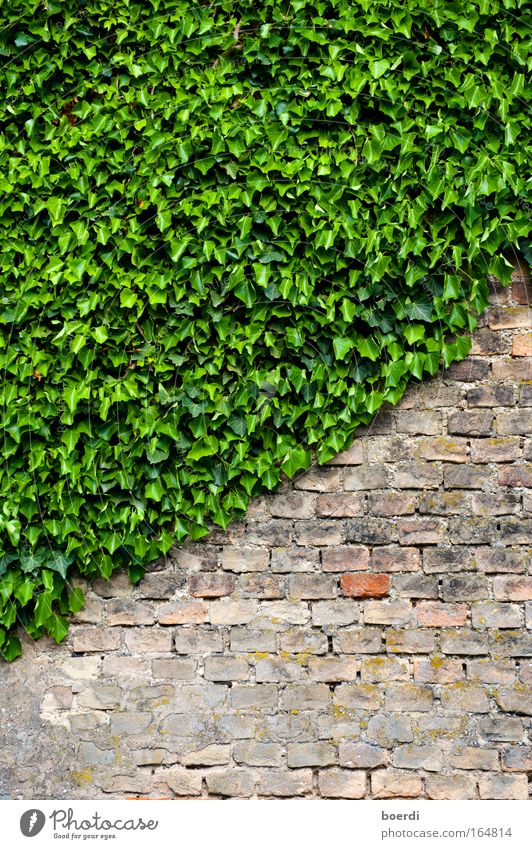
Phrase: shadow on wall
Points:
(362, 633)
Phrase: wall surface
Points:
(362, 633)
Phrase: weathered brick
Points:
(437, 670)
(451, 787)
(144, 640)
(416, 476)
(517, 759)
(495, 395)
(389, 612)
(371, 531)
(254, 753)
(358, 640)
(100, 696)
(491, 614)
(515, 475)
(487, 504)
(231, 782)
(498, 559)
(95, 639)
(277, 669)
(225, 612)
(306, 697)
(254, 696)
(310, 754)
(509, 317)
(226, 669)
(456, 559)
(496, 450)
(365, 477)
(284, 783)
(391, 504)
(312, 586)
(473, 530)
(161, 585)
(384, 669)
(501, 786)
(516, 698)
(286, 612)
(211, 584)
(465, 477)
(91, 754)
(445, 503)
(342, 784)
(412, 756)
(444, 448)
(470, 757)
(56, 698)
(501, 729)
(357, 696)
(175, 668)
(338, 612)
(352, 456)
(333, 669)
(275, 532)
(396, 559)
(514, 423)
(434, 614)
(319, 532)
(295, 559)
(357, 755)
(216, 754)
(511, 369)
(183, 782)
(409, 641)
(130, 722)
(468, 423)
(300, 641)
(512, 643)
(421, 531)
(252, 640)
(486, 342)
(512, 588)
(345, 558)
(293, 505)
(491, 671)
(464, 587)
(525, 395)
(395, 784)
(415, 586)
(404, 696)
(469, 371)
(422, 422)
(197, 641)
(368, 585)
(319, 480)
(464, 698)
(340, 505)
(182, 612)
(262, 586)
(245, 559)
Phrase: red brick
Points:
(365, 586)
(522, 345)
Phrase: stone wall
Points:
(363, 633)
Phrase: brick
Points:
(161, 585)
(514, 423)
(319, 480)
(395, 784)
(295, 560)
(464, 587)
(454, 559)
(345, 558)
(517, 759)
(118, 585)
(95, 639)
(261, 586)
(293, 505)
(182, 613)
(514, 531)
(496, 449)
(422, 422)
(283, 783)
(522, 345)
(299, 641)
(371, 531)
(437, 670)
(226, 669)
(275, 532)
(498, 559)
(306, 697)
(252, 640)
(412, 756)
(358, 640)
(312, 586)
(516, 698)
(463, 641)
(497, 395)
(332, 669)
(384, 669)
(391, 504)
(434, 614)
(409, 641)
(56, 698)
(286, 612)
(389, 449)
(515, 475)
(183, 782)
(469, 371)
(319, 532)
(277, 669)
(340, 505)
(342, 784)
(406, 697)
(396, 559)
(91, 754)
(470, 757)
(352, 456)
(444, 448)
(148, 640)
(416, 476)
(80, 668)
(509, 318)
(415, 586)
(485, 342)
(421, 531)
(512, 643)
(512, 588)
(254, 697)
(487, 504)
(211, 585)
(357, 696)
(225, 612)
(100, 697)
(118, 666)
(365, 477)
(174, 668)
(147, 697)
(511, 370)
(503, 787)
(389, 730)
(253, 753)
(242, 559)
(491, 671)
(525, 396)
(501, 729)
(365, 585)
(215, 754)
(339, 612)
(445, 503)
(309, 754)
(130, 722)
(197, 641)
(474, 530)
(465, 477)
(231, 782)
(491, 614)
(474, 424)
(392, 612)
(462, 697)
(355, 755)
(451, 787)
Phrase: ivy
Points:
(230, 232)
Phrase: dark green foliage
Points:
(229, 232)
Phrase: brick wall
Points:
(363, 633)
